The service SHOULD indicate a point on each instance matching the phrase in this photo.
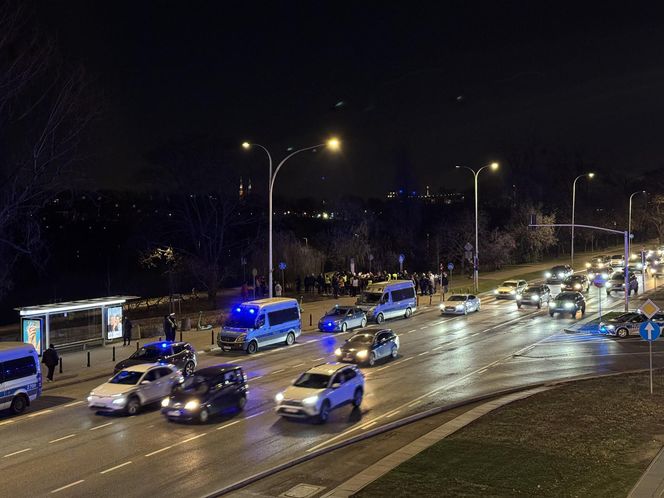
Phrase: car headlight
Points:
(639, 266)
(588, 265)
(119, 401)
(534, 297)
(601, 265)
(512, 292)
(337, 351)
(279, 397)
(90, 398)
(192, 405)
(591, 275)
(568, 305)
(561, 275)
(165, 402)
(311, 400)
(577, 286)
(362, 354)
(441, 306)
(547, 274)
(459, 307)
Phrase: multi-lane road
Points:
(61, 447)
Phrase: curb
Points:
(74, 380)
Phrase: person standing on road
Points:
(173, 326)
(126, 332)
(50, 358)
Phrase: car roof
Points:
(328, 368)
(216, 369)
(144, 367)
(16, 345)
(462, 295)
(558, 266)
(565, 294)
(511, 281)
(163, 344)
(269, 300)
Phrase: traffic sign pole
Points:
(650, 350)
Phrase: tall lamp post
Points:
(629, 218)
(332, 144)
(589, 175)
(493, 166)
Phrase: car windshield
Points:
(370, 297)
(150, 352)
(618, 276)
(618, 256)
(625, 317)
(457, 298)
(312, 380)
(128, 377)
(558, 268)
(337, 312)
(509, 284)
(532, 290)
(566, 296)
(362, 338)
(198, 384)
(242, 318)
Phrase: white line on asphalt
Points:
(410, 331)
(100, 426)
(426, 352)
(310, 340)
(36, 414)
(437, 348)
(16, 452)
(7, 422)
(280, 370)
(369, 425)
(67, 486)
(159, 451)
(413, 404)
(61, 438)
(319, 359)
(116, 467)
(297, 365)
(227, 425)
(425, 327)
(256, 378)
(482, 371)
(193, 437)
(74, 403)
(392, 414)
(255, 415)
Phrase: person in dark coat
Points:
(50, 358)
(173, 326)
(126, 332)
(167, 327)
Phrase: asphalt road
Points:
(61, 447)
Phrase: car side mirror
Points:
(336, 385)
(145, 382)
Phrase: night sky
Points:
(411, 90)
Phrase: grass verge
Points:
(588, 439)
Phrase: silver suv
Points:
(319, 390)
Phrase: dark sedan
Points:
(578, 282)
(180, 354)
(369, 346)
(558, 273)
(568, 302)
(207, 392)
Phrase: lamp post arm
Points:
(274, 175)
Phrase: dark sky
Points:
(420, 86)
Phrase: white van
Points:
(392, 299)
(20, 376)
(259, 323)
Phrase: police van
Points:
(259, 323)
(393, 299)
(20, 376)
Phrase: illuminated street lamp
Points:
(589, 175)
(333, 144)
(629, 217)
(494, 167)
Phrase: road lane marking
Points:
(74, 403)
(297, 365)
(62, 438)
(193, 437)
(310, 340)
(36, 414)
(369, 425)
(392, 414)
(319, 359)
(255, 415)
(277, 371)
(227, 425)
(437, 348)
(100, 426)
(7, 422)
(67, 486)
(16, 452)
(425, 327)
(426, 352)
(413, 330)
(159, 451)
(116, 467)
(257, 377)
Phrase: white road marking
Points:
(255, 415)
(16, 452)
(62, 438)
(74, 403)
(159, 451)
(369, 424)
(256, 378)
(67, 486)
(297, 365)
(116, 467)
(310, 340)
(193, 437)
(36, 414)
(319, 359)
(437, 348)
(227, 425)
(280, 370)
(7, 422)
(101, 426)
(425, 327)
(426, 352)
(392, 414)
(413, 330)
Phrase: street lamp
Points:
(333, 144)
(589, 175)
(494, 167)
(629, 218)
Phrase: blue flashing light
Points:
(238, 309)
(401, 191)
(252, 311)
(164, 344)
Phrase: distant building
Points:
(426, 197)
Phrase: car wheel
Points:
(518, 306)
(372, 359)
(394, 352)
(252, 347)
(380, 318)
(608, 293)
(133, 405)
(19, 404)
(364, 322)
(290, 338)
(551, 313)
(344, 327)
(189, 368)
(324, 413)
(583, 311)
(203, 415)
(409, 313)
(465, 309)
(622, 333)
(241, 403)
(636, 290)
(479, 305)
(357, 397)
(539, 305)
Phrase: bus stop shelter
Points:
(73, 323)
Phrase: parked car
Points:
(616, 283)
(321, 389)
(393, 299)
(534, 295)
(578, 282)
(342, 318)
(510, 288)
(460, 304)
(627, 324)
(558, 273)
(369, 346)
(134, 387)
(180, 354)
(568, 302)
(209, 391)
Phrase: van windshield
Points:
(370, 297)
(241, 319)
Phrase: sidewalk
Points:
(651, 483)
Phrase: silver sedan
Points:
(342, 318)
(460, 304)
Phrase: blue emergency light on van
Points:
(263, 322)
(393, 299)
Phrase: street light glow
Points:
(591, 175)
(334, 144)
(246, 145)
(494, 166)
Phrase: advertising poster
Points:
(114, 322)
(32, 329)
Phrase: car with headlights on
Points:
(627, 324)
(342, 318)
(181, 354)
(509, 289)
(617, 261)
(568, 302)
(369, 346)
(557, 274)
(638, 267)
(534, 295)
(616, 283)
(134, 387)
(209, 391)
(321, 389)
(578, 282)
(460, 304)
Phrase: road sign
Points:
(282, 266)
(401, 258)
(649, 331)
(649, 309)
(468, 247)
(450, 266)
(599, 281)
(254, 272)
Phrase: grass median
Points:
(591, 438)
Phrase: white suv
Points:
(320, 389)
